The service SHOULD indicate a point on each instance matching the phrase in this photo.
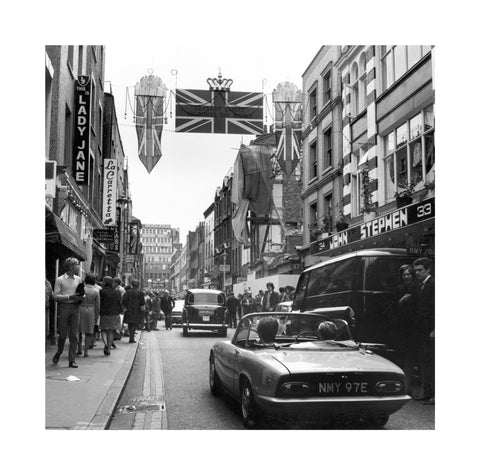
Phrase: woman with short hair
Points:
(110, 309)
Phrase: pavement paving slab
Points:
(84, 398)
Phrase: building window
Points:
(410, 154)
(328, 209)
(327, 87)
(327, 148)
(396, 60)
(68, 144)
(80, 60)
(313, 160)
(313, 104)
(354, 89)
(313, 219)
(362, 83)
(71, 51)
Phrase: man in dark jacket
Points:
(167, 305)
(270, 299)
(425, 301)
(232, 307)
(133, 300)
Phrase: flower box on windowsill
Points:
(369, 215)
(341, 226)
(403, 201)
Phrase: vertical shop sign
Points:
(81, 140)
(109, 191)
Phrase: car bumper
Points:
(322, 408)
(204, 326)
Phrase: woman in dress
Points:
(110, 309)
(89, 311)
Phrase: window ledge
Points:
(327, 170)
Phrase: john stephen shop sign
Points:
(389, 222)
(81, 139)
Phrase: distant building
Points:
(158, 242)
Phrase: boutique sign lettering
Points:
(109, 191)
(81, 140)
(383, 224)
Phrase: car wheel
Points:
(214, 380)
(249, 409)
(185, 331)
(223, 332)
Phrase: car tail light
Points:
(389, 387)
(296, 389)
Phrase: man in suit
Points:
(425, 300)
(270, 299)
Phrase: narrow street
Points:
(168, 389)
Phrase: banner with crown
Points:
(287, 102)
(149, 98)
(219, 110)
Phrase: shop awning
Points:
(57, 232)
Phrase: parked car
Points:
(300, 377)
(177, 313)
(204, 309)
(363, 280)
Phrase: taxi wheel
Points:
(249, 409)
(214, 380)
(223, 332)
(185, 331)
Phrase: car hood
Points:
(297, 361)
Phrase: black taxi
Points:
(205, 309)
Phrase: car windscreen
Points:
(290, 326)
(206, 299)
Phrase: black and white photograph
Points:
(241, 243)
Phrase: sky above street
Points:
(182, 185)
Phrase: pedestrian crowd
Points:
(89, 311)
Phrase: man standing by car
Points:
(425, 299)
(232, 307)
(270, 299)
(167, 305)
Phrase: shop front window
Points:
(409, 154)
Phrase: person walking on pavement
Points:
(270, 299)
(48, 298)
(133, 301)
(232, 307)
(110, 309)
(425, 300)
(258, 301)
(65, 293)
(89, 312)
(405, 328)
(247, 303)
(157, 309)
(167, 305)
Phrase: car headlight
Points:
(389, 387)
(295, 388)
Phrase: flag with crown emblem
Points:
(149, 99)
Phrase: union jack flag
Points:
(288, 135)
(219, 112)
(149, 125)
(288, 148)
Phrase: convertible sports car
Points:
(302, 376)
